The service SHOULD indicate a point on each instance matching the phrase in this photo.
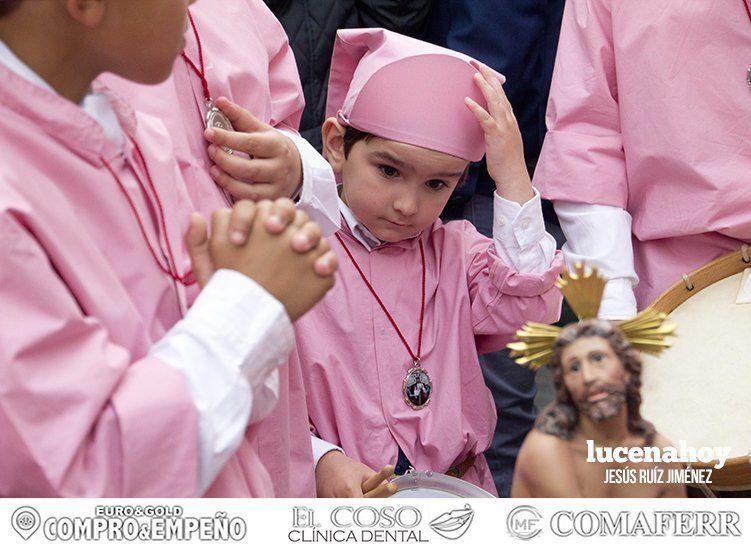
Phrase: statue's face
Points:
(595, 377)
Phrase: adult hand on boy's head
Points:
(504, 153)
(274, 168)
(298, 279)
(339, 476)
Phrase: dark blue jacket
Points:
(518, 38)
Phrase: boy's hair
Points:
(353, 135)
(6, 6)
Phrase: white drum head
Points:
(428, 484)
(700, 389)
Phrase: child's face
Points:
(142, 38)
(396, 190)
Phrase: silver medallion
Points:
(748, 76)
(417, 387)
(216, 119)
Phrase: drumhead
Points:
(698, 390)
(433, 485)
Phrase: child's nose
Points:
(406, 204)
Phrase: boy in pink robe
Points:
(390, 356)
(647, 156)
(246, 59)
(103, 369)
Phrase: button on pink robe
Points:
(84, 411)
(248, 60)
(354, 363)
(650, 111)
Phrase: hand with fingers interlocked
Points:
(272, 243)
(272, 167)
(504, 152)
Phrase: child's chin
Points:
(392, 237)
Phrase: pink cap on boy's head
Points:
(404, 89)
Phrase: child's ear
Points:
(89, 13)
(332, 133)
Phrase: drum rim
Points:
(437, 480)
(719, 269)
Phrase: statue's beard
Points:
(606, 408)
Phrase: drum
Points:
(429, 484)
(699, 391)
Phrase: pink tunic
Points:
(650, 111)
(354, 363)
(84, 411)
(248, 60)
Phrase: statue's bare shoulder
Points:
(544, 468)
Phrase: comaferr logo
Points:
(524, 522)
(638, 523)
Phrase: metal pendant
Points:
(216, 119)
(748, 76)
(417, 387)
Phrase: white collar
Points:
(359, 231)
(95, 104)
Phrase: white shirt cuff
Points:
(600, 236)
(321, 448)
(253, 326)
(318, 197)
(618, 300)
(227, 347)
(519, 233)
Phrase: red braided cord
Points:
(202, 72)
(383, 306)
(170, 269)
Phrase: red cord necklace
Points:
(417, 386)
(214, 116)
(170, 268)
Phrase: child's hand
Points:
(339, 476)
(295, 265)
(281, 214)
(503, 141)
(273, 170)
(378, 486)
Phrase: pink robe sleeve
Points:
(78, 415)
(501, 298)
(582, 158)
(284, 80)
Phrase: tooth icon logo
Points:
(25, 521)
(453, 524)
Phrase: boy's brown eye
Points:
(389, 171)
(437, 184)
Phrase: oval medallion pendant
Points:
(417, 388)
(216, 119)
